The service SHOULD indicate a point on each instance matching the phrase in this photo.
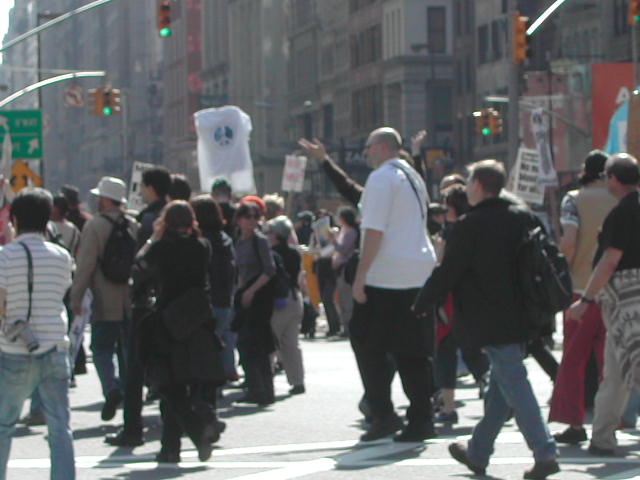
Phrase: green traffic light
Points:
(486, 131)
(165, 32)
(637, 18)
(106, 111)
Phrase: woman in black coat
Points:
(181, 352)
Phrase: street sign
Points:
(25, 128)
(73, 97)
(22, 177)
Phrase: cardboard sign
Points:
(526, 177)
(293, 175)
(135, 199)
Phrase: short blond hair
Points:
(274, 203)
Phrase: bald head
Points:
(387, 136)
(624, 168)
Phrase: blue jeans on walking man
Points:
(49, 374)
(509, 389)
(107, 340)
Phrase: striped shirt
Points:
(51, 279)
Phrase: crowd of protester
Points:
(197, 293)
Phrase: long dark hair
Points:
(179, 219)
(208, 213)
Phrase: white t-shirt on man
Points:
(390, 205)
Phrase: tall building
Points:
(118, 38)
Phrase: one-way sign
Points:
(25, 128)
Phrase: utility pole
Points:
(514, 97)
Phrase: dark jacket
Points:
(291, 260)
(176, 265)
(146, 218)
(479, 268)
(222, 269)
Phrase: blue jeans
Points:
(509, 388)
(224, 316)
(107, 339)
(49, 374)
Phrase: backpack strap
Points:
(29, 277)
(413, 187)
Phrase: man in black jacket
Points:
(155, 186)
(478, 267)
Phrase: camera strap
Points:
(29, 276)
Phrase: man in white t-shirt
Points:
(396, 259)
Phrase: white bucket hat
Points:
(113, 188)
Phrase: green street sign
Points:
(25, 128)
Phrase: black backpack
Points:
(280, 284)
(119, 252)
(543, 277)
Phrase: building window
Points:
(355, 5)
(326, 60)
(620, 20)
(302, 12)
(366, 46)
(457, 17)
(327, 121)
(483, 44)
(441, 108)
(497, 41)
(437, 29)
(366, 108)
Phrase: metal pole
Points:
(125, 129)
(514, 85)
(634, 53)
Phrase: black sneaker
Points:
(572, 436)
(542, 470)
(124, 439)
(111, 404)
(297, 390)
(601, 452)
(459, 453)
(416, 434)
(168, 457)
(383, 428)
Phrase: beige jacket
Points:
(111, 302)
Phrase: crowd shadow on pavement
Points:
(160, 473)
(91, 407)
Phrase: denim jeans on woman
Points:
(49, 374)
(509, 389)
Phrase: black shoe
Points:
(111, 404)
(204, 447)
(542, 470)
(168, 457)
(365, 409)
(257, 399)
(383, 428)
(124, 439)
(572, 436)
(297, 390)
(416, 434)
(459, 453)
(601, 452)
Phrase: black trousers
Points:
(384, 313)
(134, 380)
(446, 363)
(258, 374)
(183, 410)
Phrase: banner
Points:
(525, 179)
(612, 84)
(540, 130)
(293, 174)
(135, 198)
(223, 148)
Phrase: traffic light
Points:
(111, 102)
(634, 12)
(520, 39)
(488, 122)
(482, 122)
(495, 122)
(96, 100)
(164, 18)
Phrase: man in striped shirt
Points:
(35, 295)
